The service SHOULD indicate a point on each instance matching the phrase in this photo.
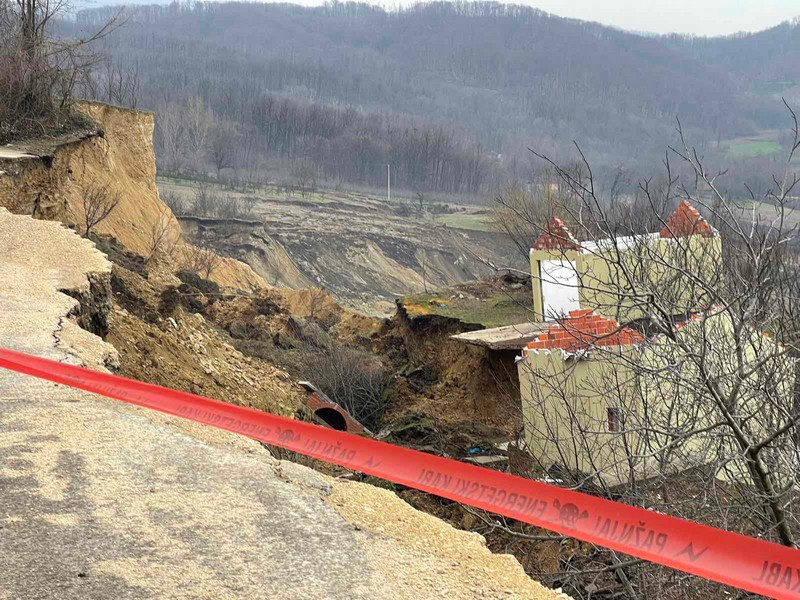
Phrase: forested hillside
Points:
(451, 94)
(765, 62)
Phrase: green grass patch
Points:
(495, 310)
(752, 148)
(467, 221)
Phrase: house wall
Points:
(747, 361)
(672, 268)
(565, 402)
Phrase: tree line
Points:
(494, 78)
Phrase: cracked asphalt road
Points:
(103, 500)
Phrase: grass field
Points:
(493, 310)
(753, 147)
(471, 222)
(468, 221)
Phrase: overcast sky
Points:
(702, 17)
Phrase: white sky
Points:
(702, 17)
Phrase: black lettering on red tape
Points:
(729, 558)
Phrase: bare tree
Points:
(201, 261)
(317, 300)
(39, 72)
(97, 203)
(222, 148)
(206, 201)
(197, 122)
(117, 85)
(164, 235)
(232, 207)
(169, 136)
(520, 210)
(675, 386)
(421, 202)
(176, 202)
(304, 174)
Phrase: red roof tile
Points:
(686, 221)
(585, 329)
(556, 236)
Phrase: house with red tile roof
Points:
(616, 276)
(576, 382)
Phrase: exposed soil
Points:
(50, 180)
(184, 351)
(446, 379)
(359, 246)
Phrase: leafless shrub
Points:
(97, 202)
(352, 378)
(201, 261)
(234, 207)
(176, 202)
(162, 238)
(206, 201)
(316, 302)
(231, 207)
(249, 206)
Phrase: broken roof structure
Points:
(570, 275)
(509, 337)
(584, 329)
(558, 258)
(685, 221)
(556, 236)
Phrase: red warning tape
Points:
(729, 558)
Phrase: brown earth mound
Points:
(170, 346)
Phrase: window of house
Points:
(614, 419)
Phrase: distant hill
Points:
(498, 78)
(766, 61)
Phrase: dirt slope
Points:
(249, 242)
(119, 156)
(364, 249)
(181, 350)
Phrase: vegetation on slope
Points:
(489, 303)
(451, 94)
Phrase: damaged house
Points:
(643, 369)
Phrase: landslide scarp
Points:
(49, 179)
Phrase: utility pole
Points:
(389, 183)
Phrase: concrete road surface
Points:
(99, 500)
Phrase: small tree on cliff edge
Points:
(98, 202)
(38, 72)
